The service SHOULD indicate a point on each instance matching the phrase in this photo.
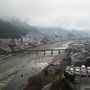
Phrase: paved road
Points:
(84, 83)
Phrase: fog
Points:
(69, 14)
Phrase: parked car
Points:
(77, 70)
(69, 76)
(83, 73)
(88, 68)
(72, 70)
(88, 72)
(67, 68)
(83, 66)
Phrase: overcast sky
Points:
(69, 14)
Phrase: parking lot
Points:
(83, 79)
(79, 71)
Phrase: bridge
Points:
(29, 51)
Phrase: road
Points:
(14, 68)
(84, 83)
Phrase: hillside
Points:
(15, 29)
(18, 29)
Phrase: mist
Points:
(69, 14)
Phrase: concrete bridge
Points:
(29, 51)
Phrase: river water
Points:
(30, 67)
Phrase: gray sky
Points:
(64, 13)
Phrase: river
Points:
(18, 69)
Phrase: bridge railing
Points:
(30, 51)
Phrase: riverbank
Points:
(52, 45)
(58, 64)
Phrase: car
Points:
(83, 66)
(77, 67)
(77, 70)
(72, 70)
(83, 73)
(88, 72)
(88, 68)
(83, 70)
(67, 68)
(69, 76)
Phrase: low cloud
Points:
(65, 13)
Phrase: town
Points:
(44, 44)
(71, 65)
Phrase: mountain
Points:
(18, 29)
(15, 29)
(65, 34)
